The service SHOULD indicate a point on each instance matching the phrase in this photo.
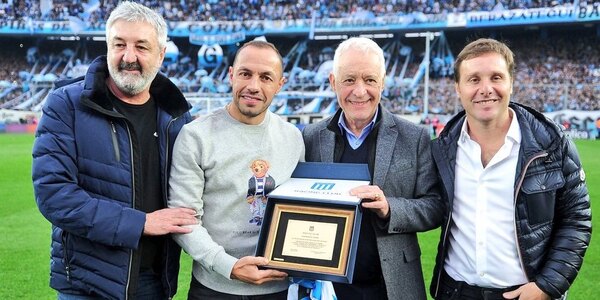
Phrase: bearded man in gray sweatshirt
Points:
(214, 171)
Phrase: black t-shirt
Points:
(142, 121)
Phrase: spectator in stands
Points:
(557, 71)
(233, 10)
(523, 243)
(100, 166)
(403, 175)
(224, 164)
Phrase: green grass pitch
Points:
(25, 234)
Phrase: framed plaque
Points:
(311, 223)
(310, 238)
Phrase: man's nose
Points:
(359, 89)
(254, 83)
(129, 56)
(486, 89)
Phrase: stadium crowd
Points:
(233, 10)
(553, 73)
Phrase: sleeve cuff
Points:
(224, 264)
(135, 222)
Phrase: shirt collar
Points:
(364, 132)
(513, 133)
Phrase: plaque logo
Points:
(322, 186)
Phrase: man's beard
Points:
(131, 84)
(250, 112)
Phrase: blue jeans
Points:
(149, 288)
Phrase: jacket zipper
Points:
(132, 206)
(165, 194)
(165, 171)
(518, 187)
(443, 256)
(115, 141)
(66, 255)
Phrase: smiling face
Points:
(256, 77)
(134, 56)
(484, 88)
(358, 85)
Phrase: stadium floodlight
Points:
(429, 36)
(378, 35)
(331, 37)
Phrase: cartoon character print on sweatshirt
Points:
(259, 185)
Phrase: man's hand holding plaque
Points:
(246, 270)
(373, 198)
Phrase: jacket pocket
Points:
(115, 141)
(539, 192)
(66, 257)
(411, 253)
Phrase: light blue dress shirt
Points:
(353, 140)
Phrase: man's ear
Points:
(332, 81)
(280, 83)
(162, 55)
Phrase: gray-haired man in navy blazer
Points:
(402, 199)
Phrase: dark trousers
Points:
(200, 292)
(150, 286)
(451, 289)
(357, 291)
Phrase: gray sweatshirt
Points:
(222, 168)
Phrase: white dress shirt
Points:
(483, 247)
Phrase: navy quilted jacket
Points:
(552, 209)
(86, 187)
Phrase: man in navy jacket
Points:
(100, 167)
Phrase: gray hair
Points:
(361, 44)
(135, 12)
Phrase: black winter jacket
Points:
(553, 220)
(86, 184)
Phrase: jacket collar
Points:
(334, 126)
(537, 131)
(385, 137)
(94, 94)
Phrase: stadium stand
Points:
(558, 66)
(233, 10)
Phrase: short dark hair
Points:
(483, 46)
(261, 45)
